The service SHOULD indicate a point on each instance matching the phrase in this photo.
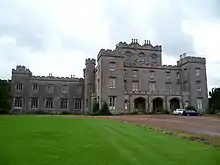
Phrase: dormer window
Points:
(142, 58)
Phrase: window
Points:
(128, 57)
(135, 86)
(152, 74)
(18, 101)
(142, 58)
(49, 103)
(185, 72)
(34, 102)
(135, 73)
(34, 87)
(154, 59)
(168, 86)
(199, 103)
(63, 104)
(178, 75)
(112, 66)
(64, 89)
(197, 71)
(50, 89)
(125, 72)
(78, 103)
(112, 82)
(168, 75)
(19, 86)
(112, 102)
(186, 104)
(126, 104)
(152, 86)
(198, 88)
(125, 84)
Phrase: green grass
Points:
(35, 140)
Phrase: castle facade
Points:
(129, 78)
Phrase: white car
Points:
(178, 111)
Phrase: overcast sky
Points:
(55, 36)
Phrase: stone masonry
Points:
(129, 78)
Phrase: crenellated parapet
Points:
(53, 78)
(21, 70)
(107, 52)
(135, 45)
(90, 61)
(189, 59)
(169, 67)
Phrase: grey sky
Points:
(56, 36)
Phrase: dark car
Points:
(191, 113)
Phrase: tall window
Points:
(135, 73)
(34, 102)
(18, 102)
(142, 58)
(168, 75)
(152, 86)
(49, 103)
(168, 86)
(199, 104)
(112, 102)
(112, 82)
(112, 66)
(135, 85)
(19, 86)
(50, 89)
(125, 84)
(34, 87)
(153, 59)
(197, 71)
(128, 57)
(63, 104)
(126, 104)
(178, 75)
(152, 74)
(78, 105)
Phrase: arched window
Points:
(154, 59)
(142, 58)
(78, 104)
(128, 57)
(63, 104)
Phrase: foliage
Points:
(95, 107)
(214, 101)
(5, 96)
(103, 112)
(190, 107)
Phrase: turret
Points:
(89, 82)
(194, 80)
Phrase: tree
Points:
(214, 101)
(95, 107)
(105, 110)
(5, 96)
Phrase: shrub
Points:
(190, 107)
(95, 107)
(105, 109)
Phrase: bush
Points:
(190, 107)
(65, 113)
(95, 107)
(103, 112)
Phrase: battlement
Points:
(53, 78)
(21, 70)
(135, 45)
(189, 59)
(107, 52)
(170, 67)
(90, 61)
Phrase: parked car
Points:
(178, 111)
(191, 113)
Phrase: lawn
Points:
(36, 140)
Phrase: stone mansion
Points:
(130, 77)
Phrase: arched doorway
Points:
(157, 105)
(139, 104)
(174, 104)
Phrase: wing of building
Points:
(129, 78)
